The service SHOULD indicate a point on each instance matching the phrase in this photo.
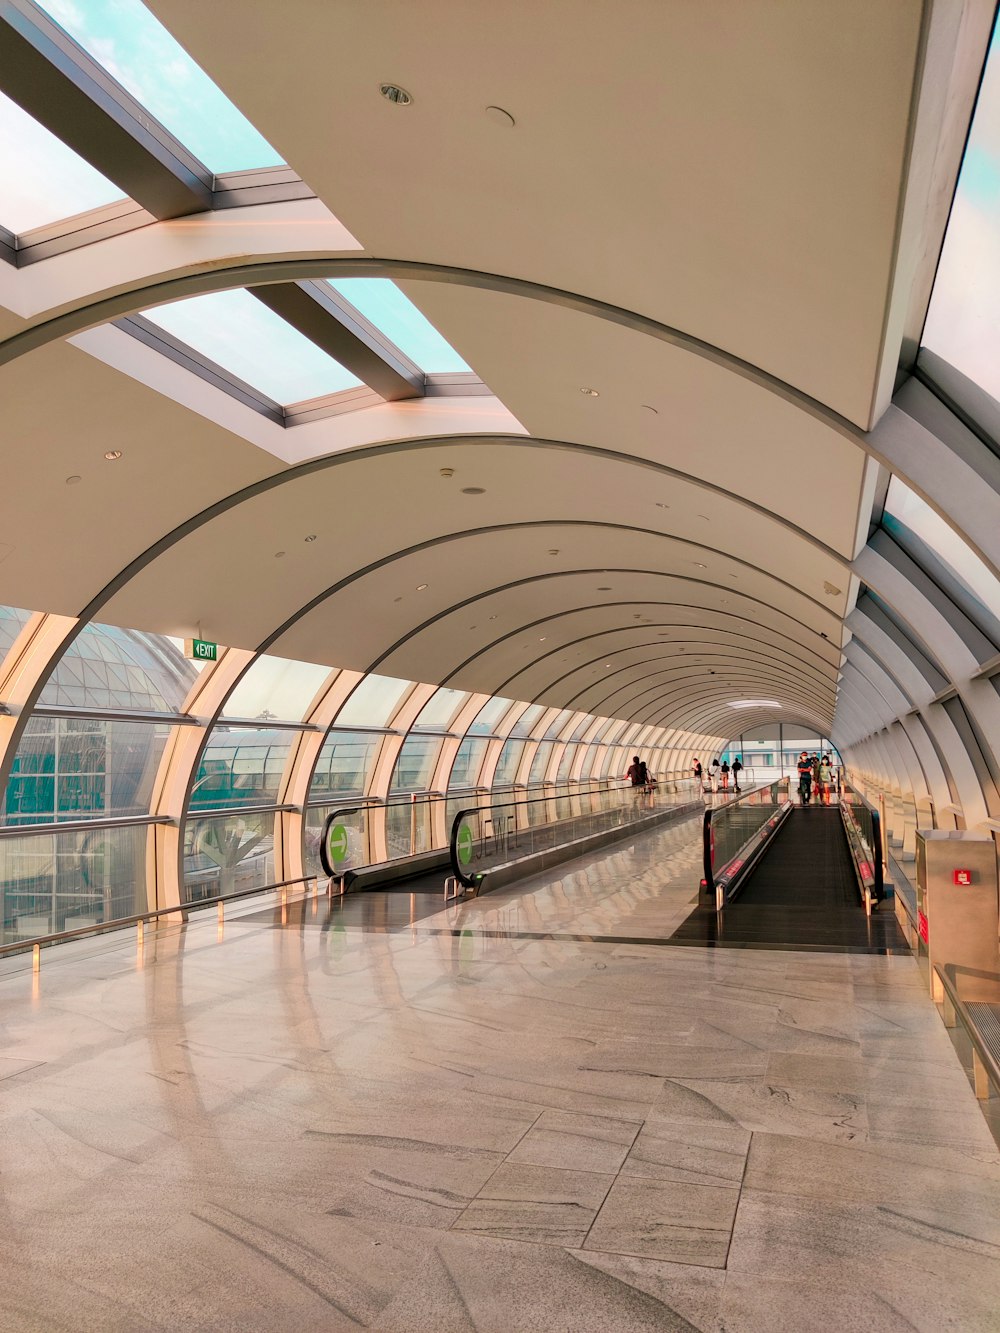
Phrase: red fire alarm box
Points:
(962, 877)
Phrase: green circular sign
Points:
(465, 844)
(337, 843)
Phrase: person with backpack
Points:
(737, 770)
(724, 775)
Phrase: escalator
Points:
(802, 894)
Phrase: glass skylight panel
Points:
(43, 180)
(908, 509)
(393, 314)
(136, 49)
(237, 332)
(963, 323)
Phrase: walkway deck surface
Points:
(549, 1120)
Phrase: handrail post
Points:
(884, 832)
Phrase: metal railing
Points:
(485, 838)
(140, 919)
(984, 1036)
(863, 828)
(734, 836)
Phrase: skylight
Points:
(43, 180)
(135, 48)
(384, 305)
(963, 323)
(243, 336)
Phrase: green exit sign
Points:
(200, 650)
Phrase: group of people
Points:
(815, 771)
(639, 775)
(720, 775)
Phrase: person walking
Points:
(724, 775)
(638, 773)
(824, 776)
(737, 770)
(805, 778)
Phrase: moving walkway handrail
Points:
(870, 872)
(746, 855)
(505, 837)
(140, 918)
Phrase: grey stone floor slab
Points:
(307, 1129)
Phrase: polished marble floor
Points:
(522, 1113)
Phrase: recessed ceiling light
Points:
(661, 505)
(554, 550)
(501, 117)
(604, 588)
(393, 93)
(311, 537)
(72, 481)
(754, 703)
(279, 555)
(542, 638)
(492, 617)
(397, 599)
(473, 490)
(421, 587)
(591, 393)
(608, 665)
(112, 455)
(446, 472)
(698, 565)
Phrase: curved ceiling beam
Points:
(704, 655)
(330, 461)
(668, 676)
(262, 271)
(701, 650)
(549, 619)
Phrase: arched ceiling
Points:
(700, 213)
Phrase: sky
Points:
(136, 49)
(246, 338)
(963, 323)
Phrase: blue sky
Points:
(963, 323)
(136, 49)
(384, 305)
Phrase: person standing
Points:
(638, 773)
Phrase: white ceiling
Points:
(734, 172)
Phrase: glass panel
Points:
(241, 766)
(415, 763)
(490, 715)
(135, 48)
(81, 768)
(228, 854)
(527, 719)
(540, 762)
(510, 758)
(12, 621)
(566, 762)
(903, 506)
(63, 881)
(345, 763)
(439, 710)
(107, 667)
(557, 724)
(384, 305)
(963, 322)
(277, 689)
(581, 727)
(43, 180)
(468, 761)
(237, 332)
(373, 702)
